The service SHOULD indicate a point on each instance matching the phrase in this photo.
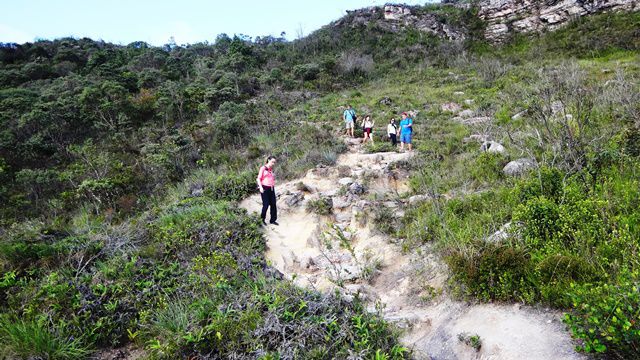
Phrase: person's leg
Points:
(272, 204)
(409, 141)
(265, 204)
(371, 136)
(394, 140)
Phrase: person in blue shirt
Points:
(349, 117)
(405, 131)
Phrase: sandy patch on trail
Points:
(343, 252)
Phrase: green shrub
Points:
(548, 182)
(231, 186)
(605, 316)
(493, 272)
(379, 146)
(488, 167)
(555, 273)
(385, 220)
(541, 219)
(320, 206)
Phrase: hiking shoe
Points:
(274, 223)
(264, 223)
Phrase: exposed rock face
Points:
(492, 147)
(524, 16)
(518, 167)
(395, 17)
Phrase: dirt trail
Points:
(342, 251)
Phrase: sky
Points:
(155, 22)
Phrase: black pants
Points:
(394, 140)
(269, 200)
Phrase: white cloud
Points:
(11, 34)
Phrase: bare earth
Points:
(342, 251)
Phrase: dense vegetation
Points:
(120, 167)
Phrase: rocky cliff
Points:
(504, 17)
(396, 17)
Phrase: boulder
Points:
(519, 167)
(343, 217)
(356, 189)
(341, 202)
(500, 235)
(469, 101)
(346, 272)
(492, 147)
(396, 12)
(345, 181)
(329, 193)
(390, 204)
(294, 199)
(519, 115)
(386, 101)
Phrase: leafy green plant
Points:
(471, 340)
(320, 206)
(605, 316)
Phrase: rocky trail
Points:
(342, 250)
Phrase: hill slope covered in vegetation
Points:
(121, 168)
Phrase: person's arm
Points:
(410, 123)
(259, 179)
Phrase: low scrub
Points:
(320, 206)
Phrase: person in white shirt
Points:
(367, 125)
(392, 131)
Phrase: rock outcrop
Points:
(504, 17)
(396, 17)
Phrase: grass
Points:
(27, 339)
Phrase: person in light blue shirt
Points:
(349, 117)
(405, 131)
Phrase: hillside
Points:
(122, 169)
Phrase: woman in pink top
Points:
(266, 183)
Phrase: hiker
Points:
(266, 183)
(405, 131)
(367, 125)
(392, 129)
(349, 117)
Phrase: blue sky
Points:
(188, 21)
